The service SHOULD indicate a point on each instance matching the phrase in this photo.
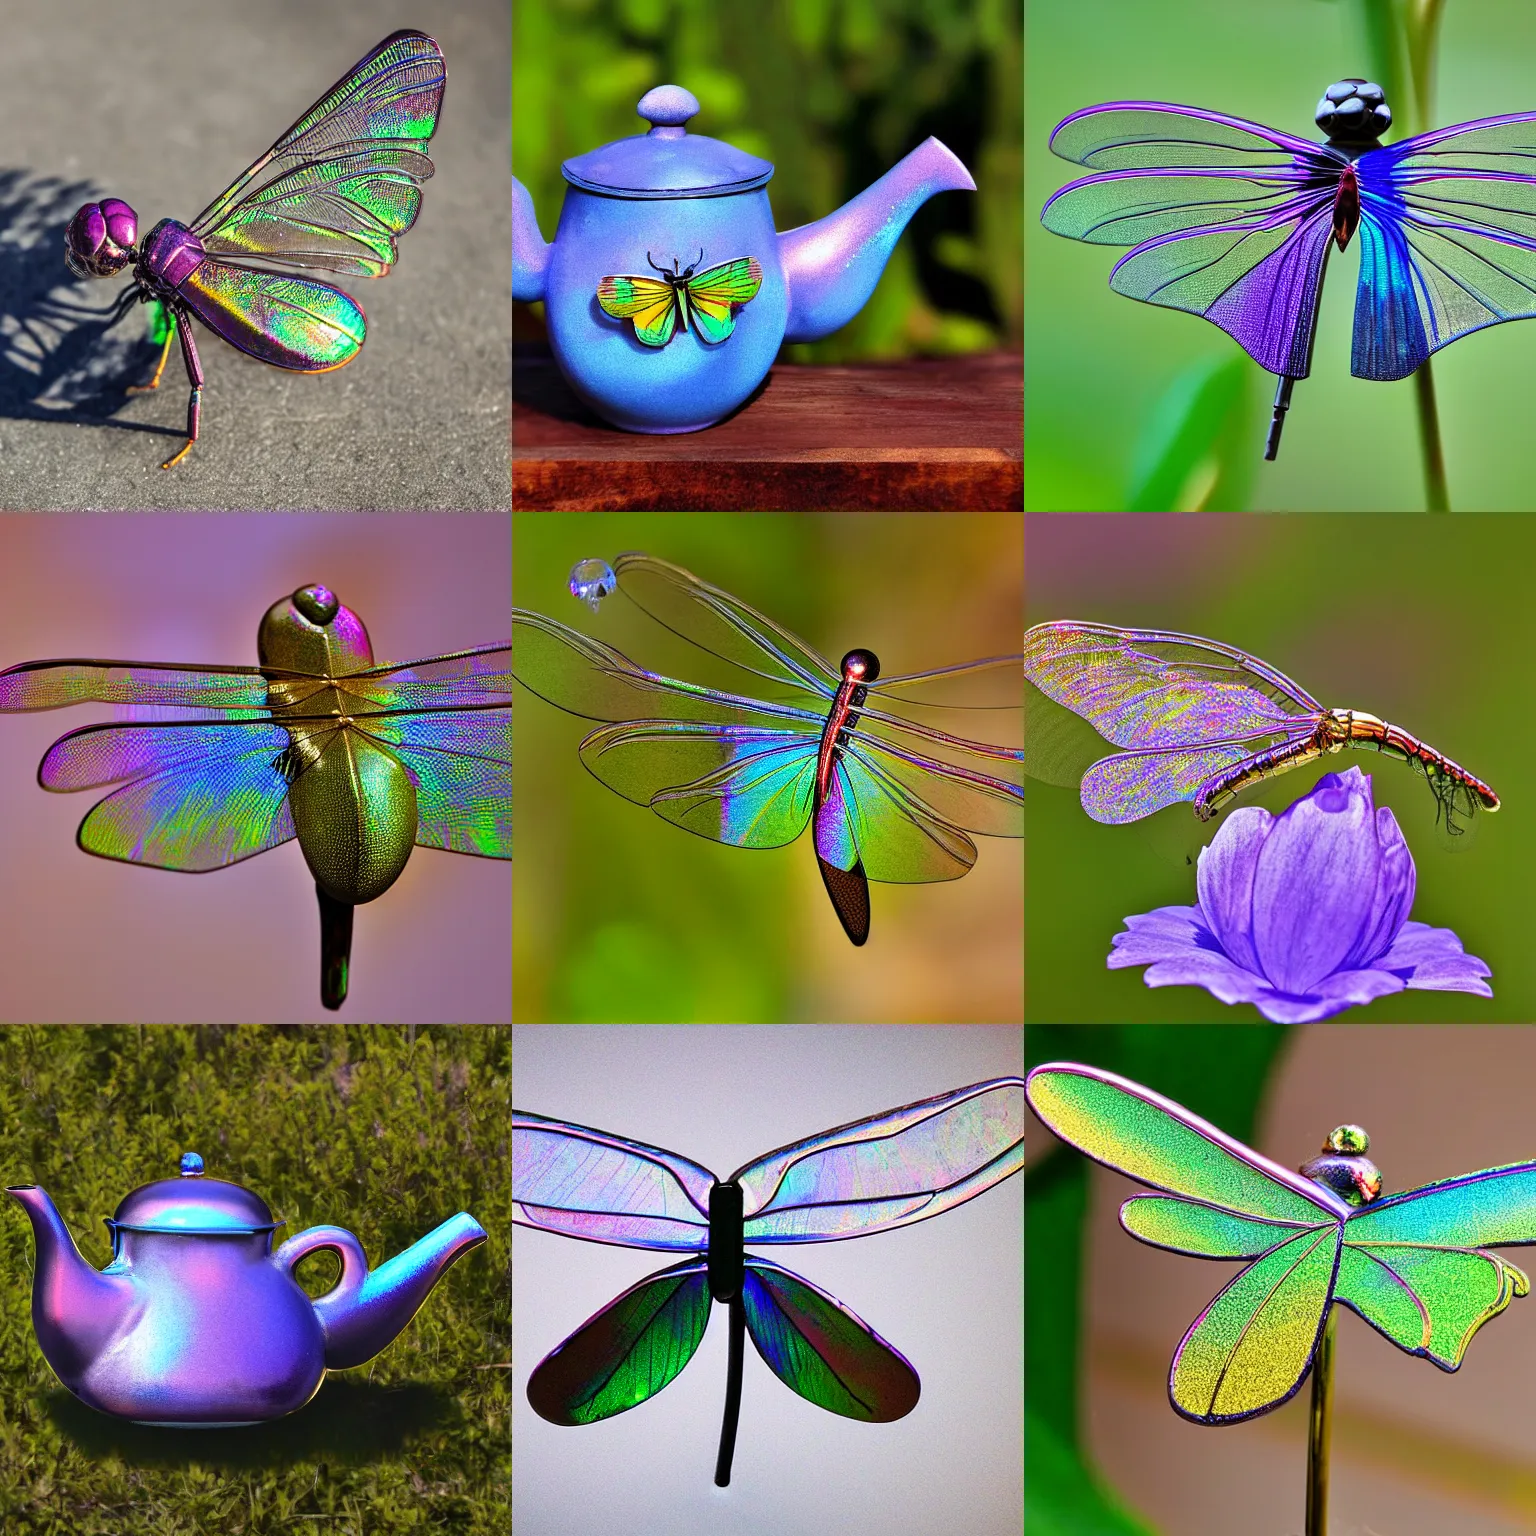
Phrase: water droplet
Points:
(592, 581)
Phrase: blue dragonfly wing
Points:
(1448, 241)
(197, 797)
(590, 1184)
(887, 1170)
(739, 784)
(627, 1352)
(460, 762)
(1229, 220)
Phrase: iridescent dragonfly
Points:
(1412, 1265)
(888, 1171)
(331, 195)
(1234, 222)
(359, 762)
(889, 799)
(1204, 722)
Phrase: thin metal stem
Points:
(1437, 496)
(732, 1394)
(1317, 1436)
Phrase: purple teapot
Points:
(667, 291)
(196, 1323)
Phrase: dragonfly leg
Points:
(335, 948)
(165, 352)
(195, 378)
(1277, 422)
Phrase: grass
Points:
(381, 1130)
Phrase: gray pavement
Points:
(163, 105)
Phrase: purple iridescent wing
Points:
(336, 190)
(819, 1348)
(588, 1184)
(1188, 708)
(197, 797)
(1448, 240)
(888, 1170)
(627, 1352)
(1228, 219)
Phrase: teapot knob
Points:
(191, 1165)
(666, 109)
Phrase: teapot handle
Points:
(354, 1262)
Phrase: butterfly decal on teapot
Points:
(701, 301)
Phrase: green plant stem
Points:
(1317, 1435)
(1436, 495)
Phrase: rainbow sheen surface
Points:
(289, 322)
(1411, 1264)
(889, 1170)
(823, 1351)
(627, 1352)
(335, 191)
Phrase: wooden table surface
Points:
(930, 434)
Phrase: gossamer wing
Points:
(1412, 1265)
(359, 762)
(872, 1175)
(331, 195)
(889, 798)
(1204, 722)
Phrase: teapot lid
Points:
(192, 1204)
(668, 161)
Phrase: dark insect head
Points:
(1354, 112)
(99, 239)
(675, 276)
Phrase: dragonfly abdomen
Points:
(1445, 776)
(1268, 764)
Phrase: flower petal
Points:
(1433, 959)
(1315, 883)
(1344, 989)
(1225, 981)
(1224, 879)
(1395, 886)
(1156, 935)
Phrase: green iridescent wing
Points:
(1252, 1347)
(712, 293)
(627, 1352)
(652, 304)
(289, 322)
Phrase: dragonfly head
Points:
(99, 239)
(1354, 112)
(861, 666)
(313, 631)
(1344, 1168)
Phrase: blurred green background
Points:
(618, 916)
(384, 1131)
(1381, 614)
(1134, 407)
(833, 92)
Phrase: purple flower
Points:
(1302, 914)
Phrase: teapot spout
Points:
(367, 1308)
(832, 266)
(76, 1310)
(530, 255)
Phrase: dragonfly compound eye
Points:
(1354, 111)
(318, 604)
(1350, 1175)
(864, 666)
(99, 239)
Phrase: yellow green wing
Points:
(645, 300)
(712, 293)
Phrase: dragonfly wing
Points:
(712, 293)
(888, 1170)
(460, 762)
(1251, 1348)
(337, 188)
(200, 796)
(1159, 1143)
(588, 1184)
(1448, 241)
(723, 625)
(741, 785)
(462, 678)
(1131, 785)
(1201, 1231)
(1229, 220)
(587, 678)
(55, 684)
(289, 322)
(1414, 1271)
(819, 1348)
(984, 794)
(627, 1352)
(1155, 688)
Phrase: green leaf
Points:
(1199, 445)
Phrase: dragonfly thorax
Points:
(1344, 1168)
(1339, 727)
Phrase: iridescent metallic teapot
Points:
(667, 291)
(196, 1323)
